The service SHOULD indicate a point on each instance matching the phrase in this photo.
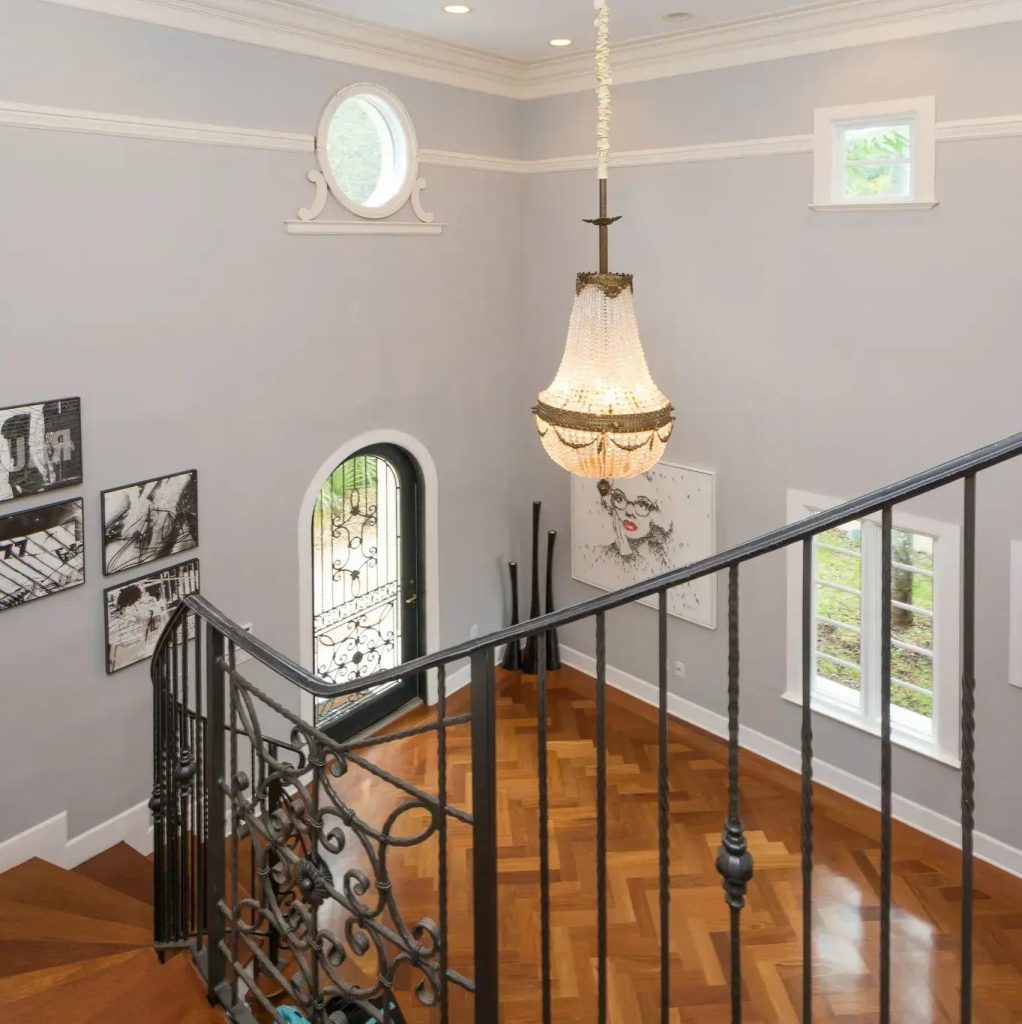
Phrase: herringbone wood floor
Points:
(926, 915)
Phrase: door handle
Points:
(414, 599)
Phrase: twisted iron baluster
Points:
(734, 862)
(886, 769)
(664, 811)
(808, 643)
(601, 816)
(968, 737)
(544, 830)
(442, 836)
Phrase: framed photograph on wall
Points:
(42, 552)
(627, 531)
(149, 520)
(40, 447)
(136, 612)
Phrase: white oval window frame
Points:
(397, 114)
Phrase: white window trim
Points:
(827, 122)
(944, 744)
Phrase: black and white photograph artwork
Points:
(42, 552)
(137, 611)
(627, 531)
(40, 447)
(148, 520)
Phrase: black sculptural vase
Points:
(512, 660)
(530, 657)
(553, 647)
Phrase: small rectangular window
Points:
(847, 619)
(875, 155)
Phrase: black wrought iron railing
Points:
(254, 836)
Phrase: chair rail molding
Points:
(130, 126)
(795, 31)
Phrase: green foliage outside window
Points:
(876, 161)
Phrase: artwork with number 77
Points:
(42, 552)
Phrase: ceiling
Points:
(522, 29)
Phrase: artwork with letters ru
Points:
(40, 447)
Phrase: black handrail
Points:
(868, 504)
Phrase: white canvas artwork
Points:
(626, 531)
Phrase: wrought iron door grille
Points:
(357, 578)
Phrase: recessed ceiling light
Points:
(560, 42)
(457, 9)
(678, 16)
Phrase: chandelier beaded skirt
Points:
(603, 416)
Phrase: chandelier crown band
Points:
(612, 285)
(600, 423)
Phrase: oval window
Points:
(367, 150)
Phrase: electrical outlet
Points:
(240, 656)
(679, 669)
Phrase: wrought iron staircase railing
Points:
(253, 834)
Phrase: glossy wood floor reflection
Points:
(926, 916)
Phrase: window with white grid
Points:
(847, 641)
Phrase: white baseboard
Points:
(49, 839)
(947, 830)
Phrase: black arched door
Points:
(367, 600)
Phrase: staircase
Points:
(275, 861)
(76, 947)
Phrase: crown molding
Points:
(304, 28)
(793, 32)
(309, 30)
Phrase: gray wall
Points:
(829, 353)
(156, 281)
(832, 353)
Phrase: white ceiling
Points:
(521, 29)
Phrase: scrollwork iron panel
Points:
(322, 888)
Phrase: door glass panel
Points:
(357, 578)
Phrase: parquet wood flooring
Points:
(846, 912)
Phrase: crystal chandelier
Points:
(603, 417)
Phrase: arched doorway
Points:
(368, 601)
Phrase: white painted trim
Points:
(828, 163)
(94, 122)
(430, 539)
(925, 820)
(69, 119)
(891, 207)
(475, 161)
(400, 127)
(791, 32)
(349, 227)
(49, 839)
(795, 31)
(311, 31)
(944, 745)
(1015, 616)
(1006, 127)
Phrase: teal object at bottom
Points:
(291, 1015)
